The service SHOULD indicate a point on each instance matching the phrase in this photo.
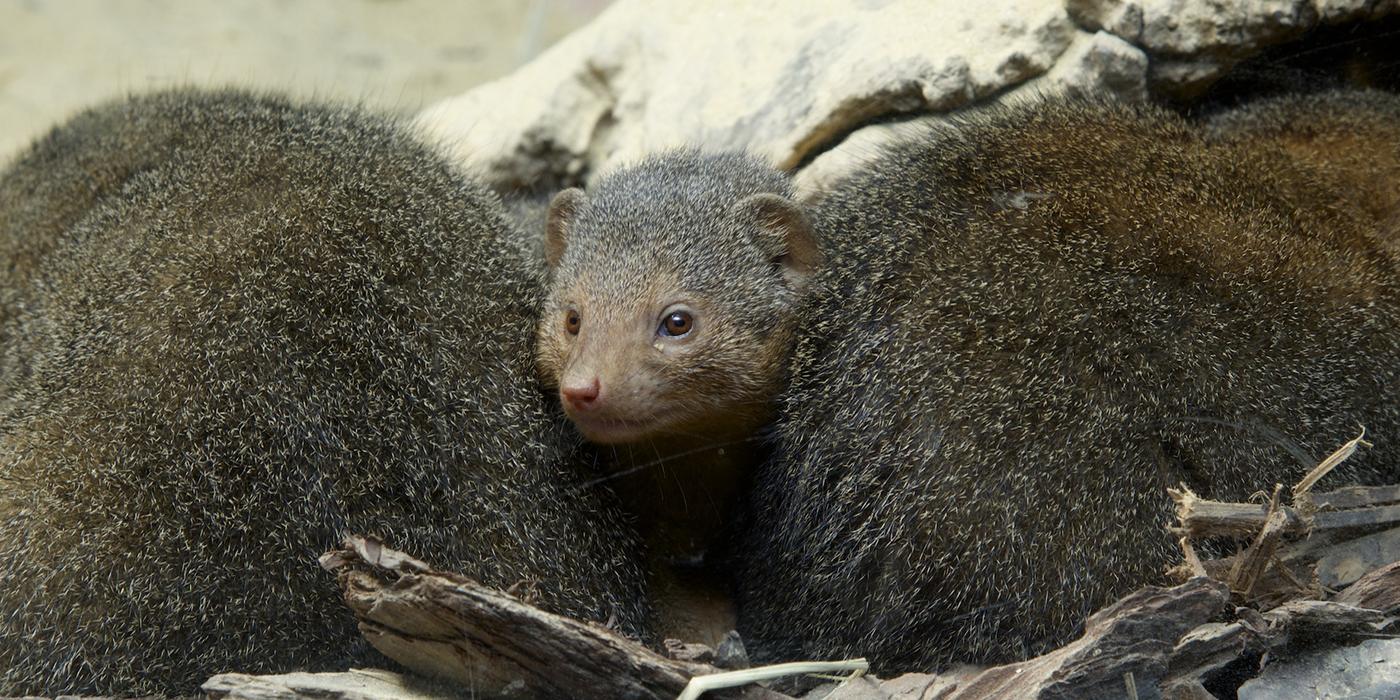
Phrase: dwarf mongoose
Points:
(1030, 323)
(673, 293)
(234, 328)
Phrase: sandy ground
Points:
(57, 56)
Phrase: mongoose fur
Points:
(674, 287)
(234, 328)
(1031, 323)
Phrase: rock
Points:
(1193, 28)
(1095, 63)
(1368, 670)
(863, 688)
(1338, 11)
(782, 78)
(1127, 644)
(1207, 652)
(1101, 63)
(826, 171)
(1192, 43)
(1344, 563)
(357, 684)
(791, 79)
(728, 654)
(731, 653)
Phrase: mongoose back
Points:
(673, 290)
(1032, 322)
(234, 328)
(1339, 143)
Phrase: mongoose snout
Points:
(581, 396)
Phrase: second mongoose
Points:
(233, 329)
(1035, 320)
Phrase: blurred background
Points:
(58, 56)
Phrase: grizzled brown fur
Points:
(1033, 322)
(232, 329)
(1340, 145)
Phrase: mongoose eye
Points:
(676, 323)
(572, 322)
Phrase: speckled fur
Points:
(1344, 144)
(232, 329)
(1033, 322)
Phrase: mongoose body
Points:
(232, 329)
(674, 286)
(1034, 321)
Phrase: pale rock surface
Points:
(910, 686)
(1101, 63)
(1095, 63)
(1367, 671)
(1195, 42)
(817, 86)
(781, 78)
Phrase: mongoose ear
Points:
(783, 232)
(562, 210)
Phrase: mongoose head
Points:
(673, 294)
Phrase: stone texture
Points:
(1193, 28)
(1101, 63)
(1193, 42)
(1096, 63)
(861, 146)
(794, 80)
(783, 79)
(1370, 670)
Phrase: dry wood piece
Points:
(357, 684)
(1357, 497)
(445, 625)
(1378, 590)
(1319, 543)
(1136, 635)
(1210, 648)
(1250, 566)
(1156, 642)
(1337, 510)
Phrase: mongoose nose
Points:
(581, 395)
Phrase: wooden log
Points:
(1199, 517)
(356, 684)
(1378, 590)
(1357, 497)
(449, 626)
(1135, 635)
(1249, 567)
(1321, 542)
(1337, 510)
